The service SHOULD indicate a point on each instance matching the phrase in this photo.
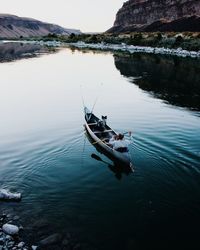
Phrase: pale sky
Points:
(86, 15)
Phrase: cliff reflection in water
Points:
(174, 79)
(12, 51)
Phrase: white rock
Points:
(10, 229)
(34, 247)
(21, 244)
(16, 217)
(7, 195)
(8, 237)
(135, 49)
(10, 244)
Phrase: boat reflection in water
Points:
(119, 169)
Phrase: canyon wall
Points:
(158, 15)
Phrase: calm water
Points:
(45, 155)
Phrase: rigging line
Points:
(83, 150)
(130, 155)
(83, 102)
(93, 107)
(95, 102)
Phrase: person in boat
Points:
(119, 143)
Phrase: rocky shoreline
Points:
(138, 49)
(15, 236)
(123, 47)
(10, 234)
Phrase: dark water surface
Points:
(45, 155)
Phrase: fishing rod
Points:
(93, 108)
(83, 102)
(95, 103)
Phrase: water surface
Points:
(45, 154)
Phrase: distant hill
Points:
(16, 27)
(154, 15)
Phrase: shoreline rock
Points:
(50, 240)
(14, 238)
(122, 47)
(9, 196)
(10, 236)
(137, 49)
(10, 229)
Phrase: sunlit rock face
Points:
(16, 27)
(154, 15)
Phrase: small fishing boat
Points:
(101, 133)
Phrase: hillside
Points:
(16, 27)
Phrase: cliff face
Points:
(155, 15)
(15, 27)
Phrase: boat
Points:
(101, 136)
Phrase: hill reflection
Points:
(11, 51)
(173, 79)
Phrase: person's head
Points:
(115, 137)
(120, 136)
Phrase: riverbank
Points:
(11, 234)
(116, 47)
(137, 49)
(171, 40)
(185, 44)
(172, 43)
(14, 235)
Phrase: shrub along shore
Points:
(172, 40)
(187, 41)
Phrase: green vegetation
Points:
(172, 40)
(185, 40)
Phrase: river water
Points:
(45, 155)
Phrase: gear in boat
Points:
(107, 138)
(117, 141)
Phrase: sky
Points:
(86, 15)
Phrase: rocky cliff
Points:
(158, 15)
(15, 27)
